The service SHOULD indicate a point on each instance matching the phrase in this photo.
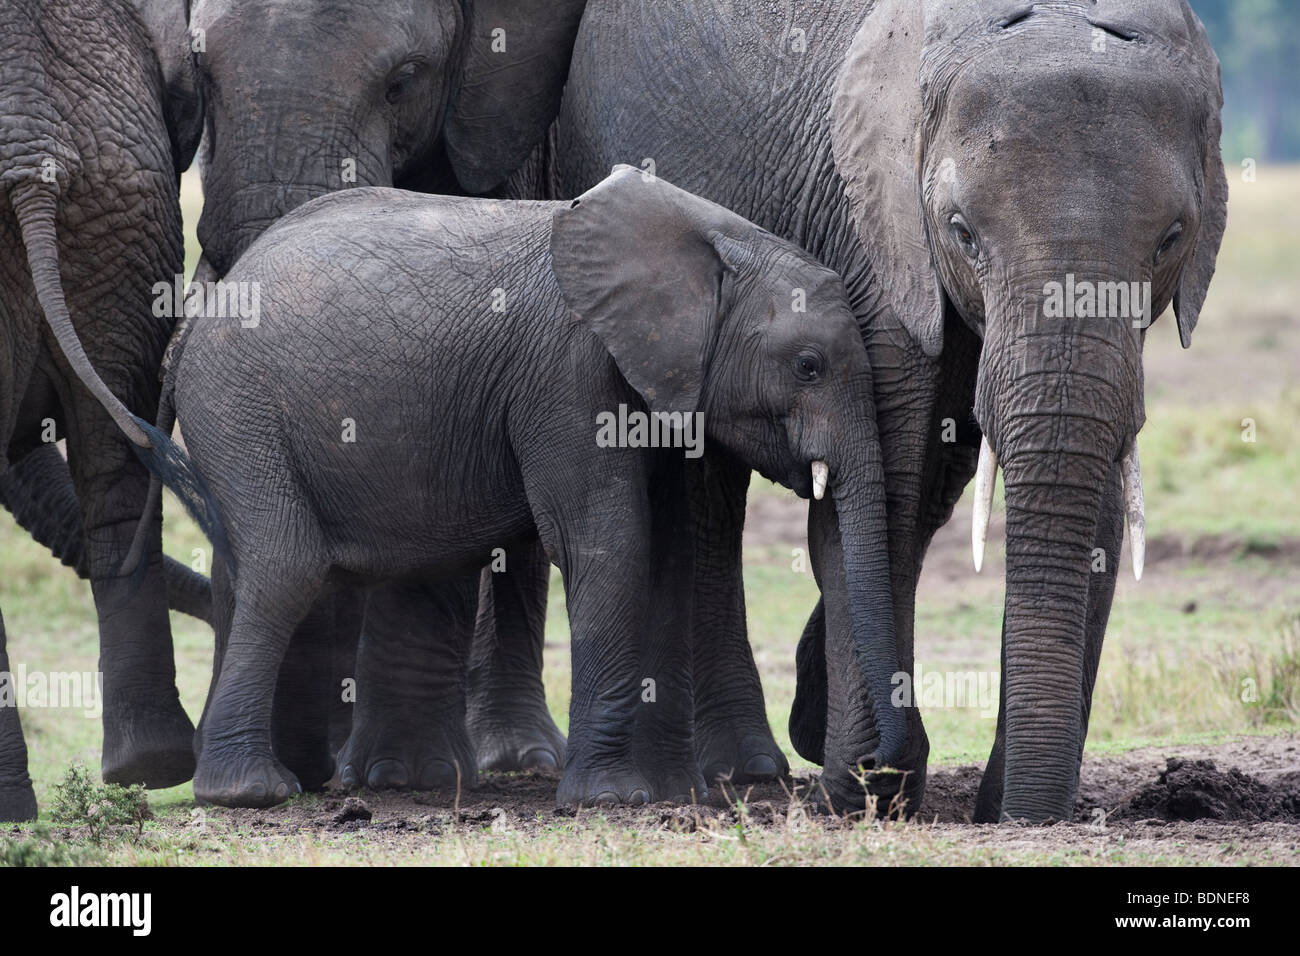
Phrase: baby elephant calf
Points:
(428, 379)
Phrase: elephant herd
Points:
(828, 240)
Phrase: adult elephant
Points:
(449, 96)
(952, 160)
(101, 115)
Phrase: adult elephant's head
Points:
(307, 96)
(1052, 172)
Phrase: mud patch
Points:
(1198, 790)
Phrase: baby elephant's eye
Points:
(809, 366)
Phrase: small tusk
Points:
(986, 476)
(820, 473)
(1134, 509)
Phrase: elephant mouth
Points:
(1134, 503)
(810, 479)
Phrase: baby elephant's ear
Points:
(641, 263)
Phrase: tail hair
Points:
(167, 462)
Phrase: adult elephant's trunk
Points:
(847, 534)
(274, 156)
(1059, 400)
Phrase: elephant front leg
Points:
(733, 739)
(1101, 592)
(619, 753)
(508, 719)
(148, 738)
(17, 799)
(409, 730)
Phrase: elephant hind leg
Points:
(237, 765)
(17, 799)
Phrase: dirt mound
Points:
(1198, 790)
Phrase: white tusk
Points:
(1134, 509)
(986, 476)
(820, 473)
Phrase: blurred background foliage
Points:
(1258, 42)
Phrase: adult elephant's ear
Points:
(1194, 281)
(167, 23)
(884, 108)
(515, 61)
(875, 125)
(641, 263)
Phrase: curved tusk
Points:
(986, 476)
(820, 473)
(1134, 509)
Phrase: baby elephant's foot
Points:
(742, 758)
(528, 740)
(149, 745)
(407, 758)
(241, 780)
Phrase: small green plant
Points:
(79, 801)
(39, 848)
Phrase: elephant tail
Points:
(166, 421)
(172, 467)
(35, 205)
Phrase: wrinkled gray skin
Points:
(1067, 155)
(39, 492)
(377, 310)
(305, 97)
(104, 103)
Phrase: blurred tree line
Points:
(1258, 42)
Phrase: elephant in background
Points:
(101, 117)
(637, 299)
(951, 160)
(447, 96)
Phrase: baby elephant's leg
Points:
(508, 718)
(237, 766)
(665, 744)
(408, 728)
(630, 715)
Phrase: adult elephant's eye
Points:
(400, 82)
(1171, 237)
(809, 366)
(963, 236)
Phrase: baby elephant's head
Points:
(711, 318)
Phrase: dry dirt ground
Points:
(1234, 802)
